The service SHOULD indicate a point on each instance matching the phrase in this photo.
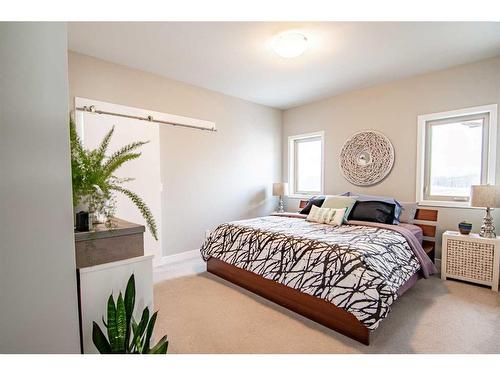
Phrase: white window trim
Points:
(291, 162)
(421, 137)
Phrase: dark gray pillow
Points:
(314, 201)
(378, 198)
(378, 212)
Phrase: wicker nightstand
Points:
(471, 258)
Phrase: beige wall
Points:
(393, 109)
(208, 178)
(38, 295)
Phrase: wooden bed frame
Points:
(314, 308)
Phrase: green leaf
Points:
(120, 323)
(143, 208)
(112, 328)
(134, 325)
(124, 150)
(149, 333)
(110, 168)
(136, 339)
(79, 164)
(103, 147)
(129, 306)
(99, 340)
(161, 347)
(134, 332)
(144, 321)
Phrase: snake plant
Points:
(94, 182)
(125, 335)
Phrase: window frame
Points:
(292, 163)
(423, 157)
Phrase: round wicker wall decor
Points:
(366, 158)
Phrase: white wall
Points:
(38, 308)
(208, 178)
(393, 109)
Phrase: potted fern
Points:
(94, 180)
(125, 335)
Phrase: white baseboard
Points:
(178, 265)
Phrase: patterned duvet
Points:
(358, 268)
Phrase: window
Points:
(305, 161)
(456, 149)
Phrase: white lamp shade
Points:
(280, 189)
(485, 196)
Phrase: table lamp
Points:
(280, 189)
(486, 196)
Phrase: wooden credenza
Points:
(105, 259)
(104, 245)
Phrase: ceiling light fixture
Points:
(289, 44)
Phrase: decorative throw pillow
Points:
(314, 201)
(320, 215)
(338, 201)
(409, 210)
(329, 216)
(378, 212)
(338, 217)
(379, 198)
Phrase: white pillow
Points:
(319, 215)
(409, 209)
(340, 201)
(329, 216)
(339, 216)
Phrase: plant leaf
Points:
(149, 333)
(79, 164)
(144, 322)
(141, 205)
(99, 340)
(161, 347)
(110, 168)
(129, 306)
(112, 329)
(103, 147)
(135, 347)
(124, 150)
(120, 323)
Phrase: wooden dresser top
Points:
(119, 228)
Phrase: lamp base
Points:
(281, 207)
(487, 229)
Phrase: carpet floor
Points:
(205, 314)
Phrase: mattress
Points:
(359, 267)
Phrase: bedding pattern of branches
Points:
(357, 268)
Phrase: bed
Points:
(345, 277)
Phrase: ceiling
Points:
(234, 58)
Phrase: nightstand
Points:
(471, 258)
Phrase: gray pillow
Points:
(408, 211)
